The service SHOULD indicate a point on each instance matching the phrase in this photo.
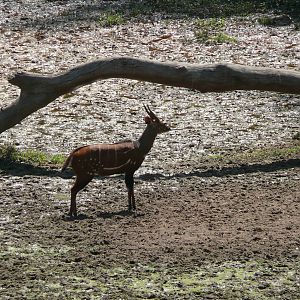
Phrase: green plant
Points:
(266, 21)
(223, 38)
(211, 31)
(211, 24)
(30, 156)
(265, 154)
(110, 19)
(216, 156)
(7, 152)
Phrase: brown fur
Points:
(108, 159)
(104, 159)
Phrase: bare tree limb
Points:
(38, 91)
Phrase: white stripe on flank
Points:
(136, 144)
(99, 156)
(116, 156)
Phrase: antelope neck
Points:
(147, 139)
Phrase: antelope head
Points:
(153, 121)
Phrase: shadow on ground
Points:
(72, 14)
(23, 169)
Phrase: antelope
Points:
(108, 159)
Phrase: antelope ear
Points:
(147, 120)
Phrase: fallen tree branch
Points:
(38, 91)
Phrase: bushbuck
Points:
(108, 159)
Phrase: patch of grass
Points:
(51, 272)
(227, 280)
(257, 155)
(211, 24)
(222, 37)
(270, 153)
(30, 156)
(265, 20)
(282, 20)
(216, 156)
(211, 31)
(110, 19)
(57, 159)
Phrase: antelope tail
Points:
(69, 159)
(67, 162)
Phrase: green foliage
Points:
(258, 155)
(30, 156)
(270, 153)
(56, 159)
(265, 20)
(211, 24)
(110, 19)
(222, 37)
(211, 31)
(7, 152)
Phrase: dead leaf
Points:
(162, 37)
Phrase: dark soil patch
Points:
(187, 220)
(181, 222)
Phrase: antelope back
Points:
(105, 159)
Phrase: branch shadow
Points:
(230, 170)
(22, 169)
(13, 168)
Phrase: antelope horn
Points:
(150, 112)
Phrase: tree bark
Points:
(38, 91)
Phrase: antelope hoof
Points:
(73, 214)
(130, 208)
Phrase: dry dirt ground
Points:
(195, 209)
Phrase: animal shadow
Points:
(80, 217)
(121, 213)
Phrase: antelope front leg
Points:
(133, 200)
(129, 184)
(73, 209)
